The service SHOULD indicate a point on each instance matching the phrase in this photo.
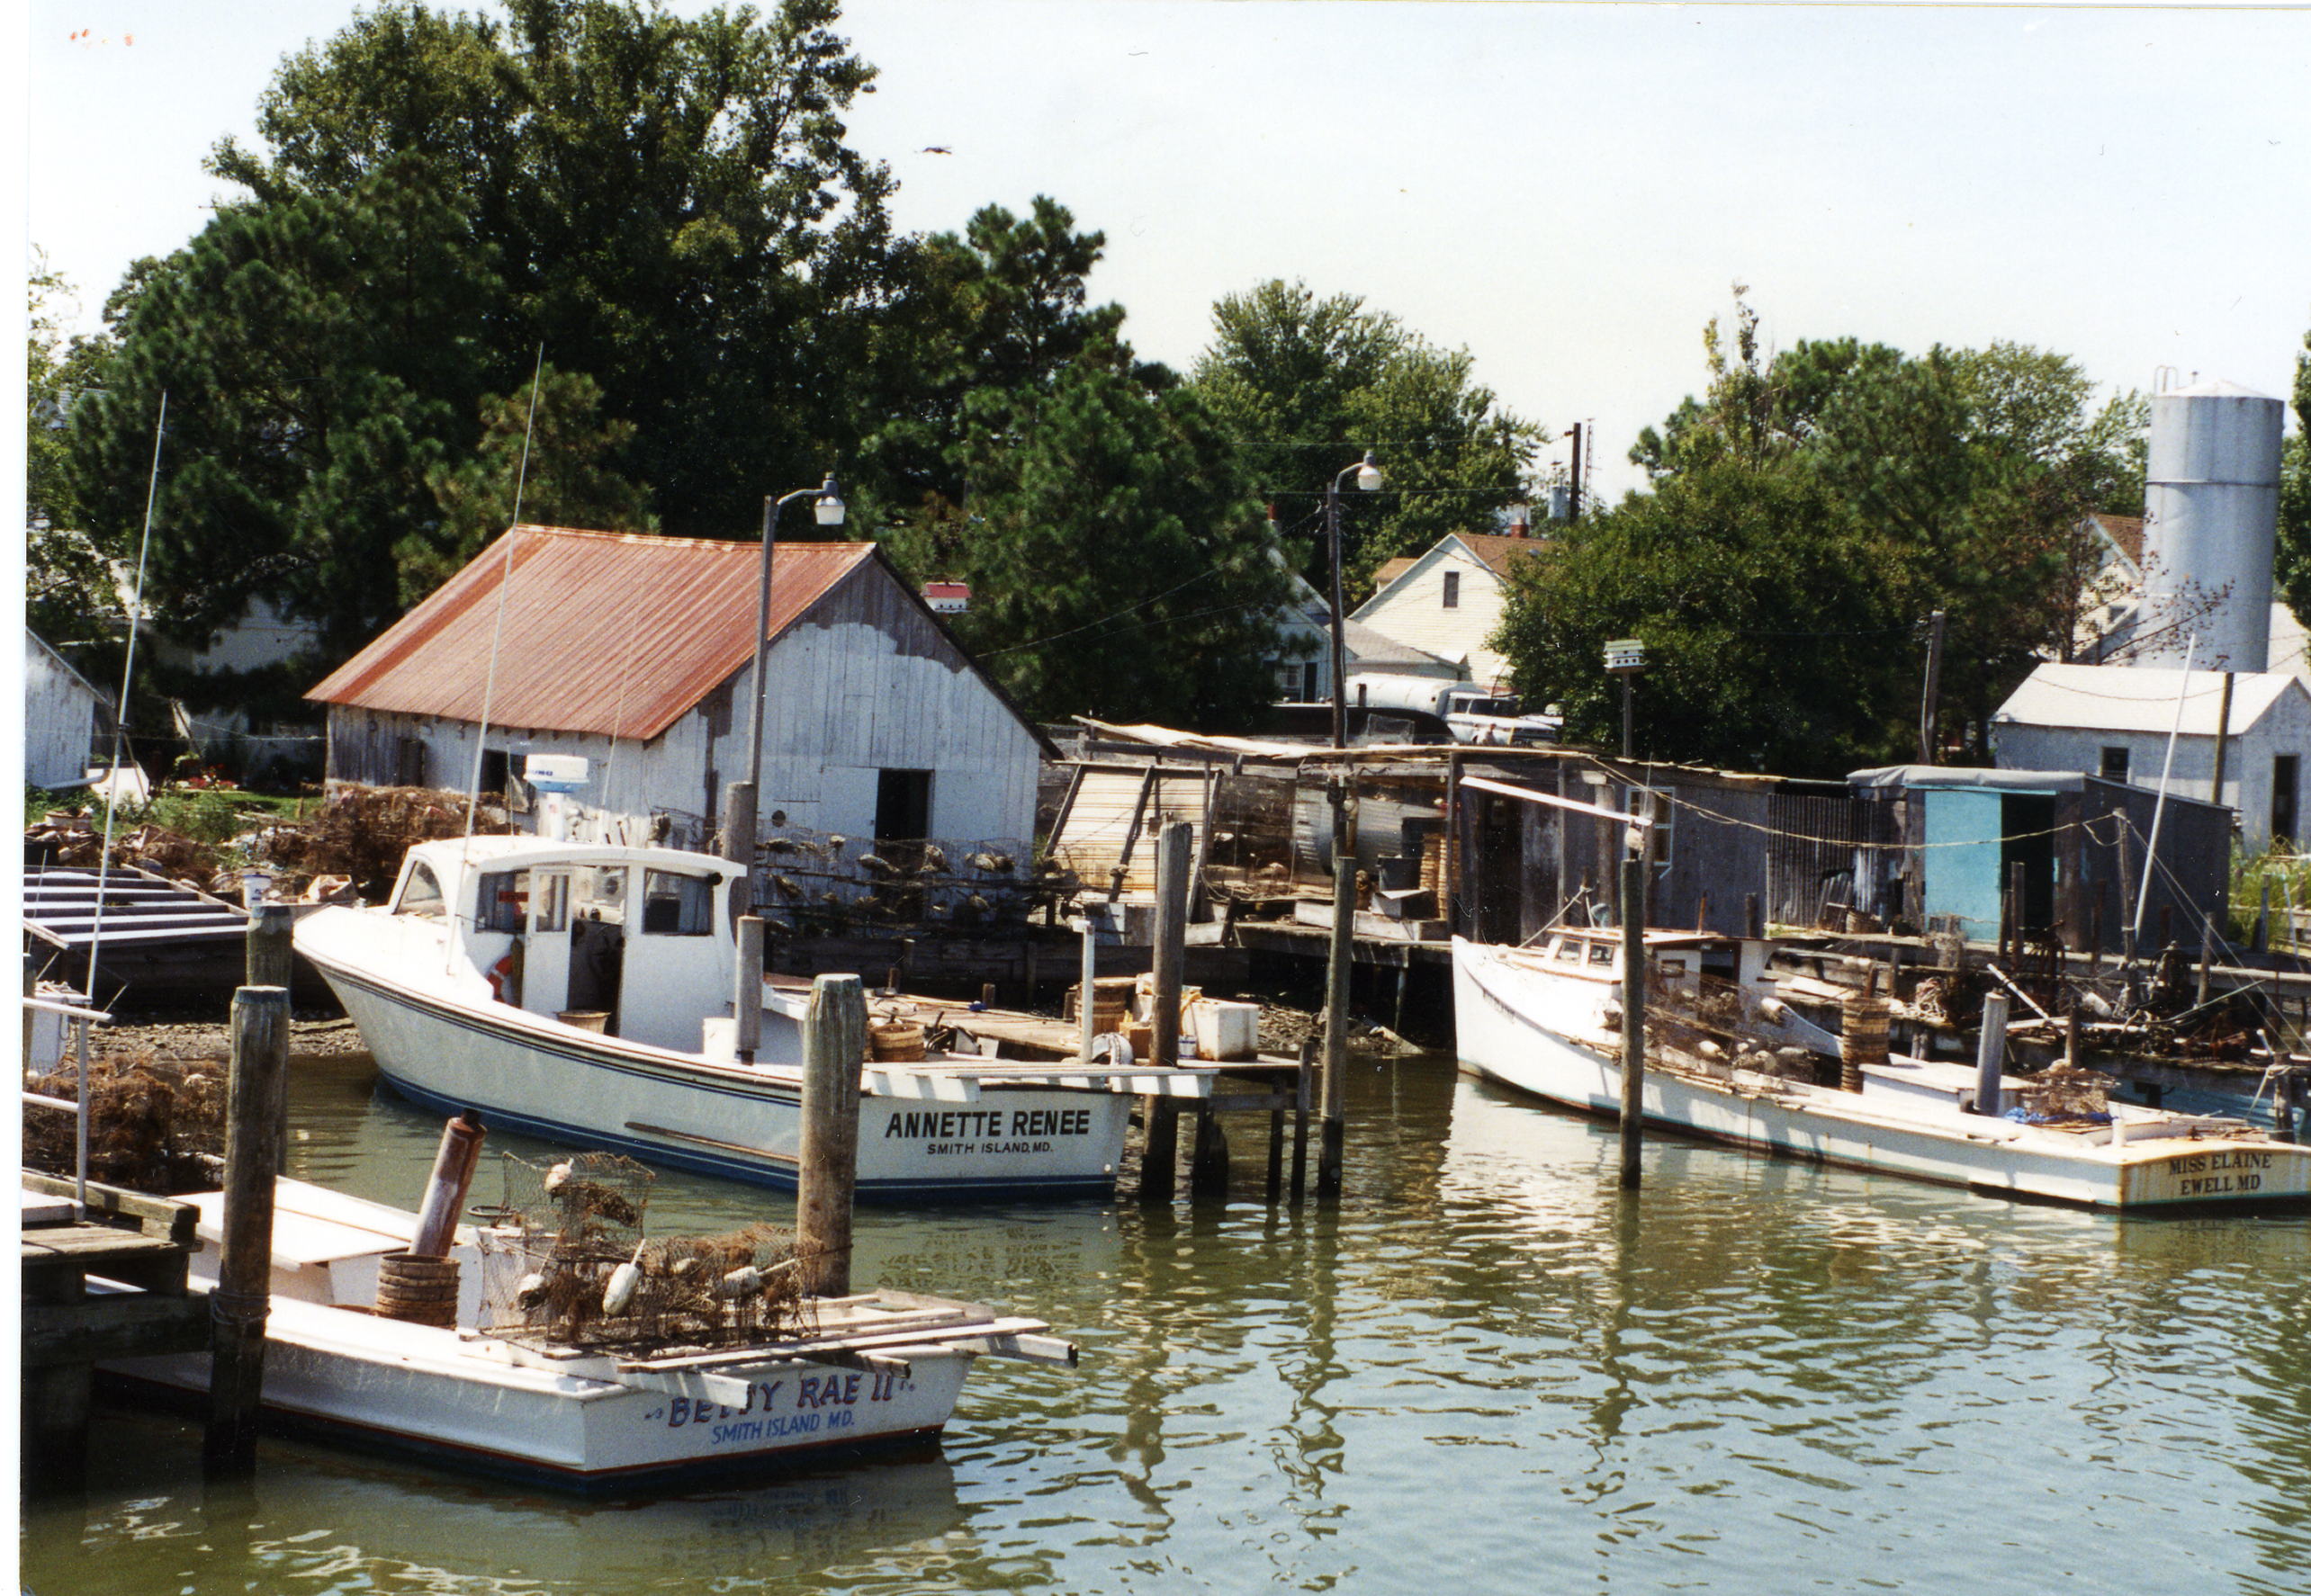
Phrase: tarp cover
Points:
(1895, 777)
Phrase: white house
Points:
(1303, 658)
(62, 715)
(637, 654)
(1448, 602)
(2113, 722)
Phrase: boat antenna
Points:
(113, 803)
(505, 581)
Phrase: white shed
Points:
(2113, 722)
(636, 653)
(63, 714)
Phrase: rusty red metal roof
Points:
(608, 633)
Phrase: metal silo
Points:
(2209, 516)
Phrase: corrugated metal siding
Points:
(605, 632)
(1093, 834)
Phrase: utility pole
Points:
(1573, 503)
(1931, 709)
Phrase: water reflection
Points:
(1488, 1367)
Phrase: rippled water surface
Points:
(1491, 1370)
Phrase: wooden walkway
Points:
(141, 1245)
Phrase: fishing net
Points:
(566, 1264)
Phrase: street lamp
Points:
(738, 836)
(1368, 478)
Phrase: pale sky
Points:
(1568, 191)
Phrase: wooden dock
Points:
(137, 1248)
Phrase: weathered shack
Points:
(636, 653)
(1955, 845)
(63, 713)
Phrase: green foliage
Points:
(1776, 624)
(1001, 308)
(69, 595)
(666, 204)
(2278, 869)
(1974, 472)
(553, 454)
(1118, 568)
(1307, 385)
(321, 353)
(2295, 497)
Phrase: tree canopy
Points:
(1963, 481)
(1305, 385)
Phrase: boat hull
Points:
(1522, 1027)
(435, 1395)
(531, 1074)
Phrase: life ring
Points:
(499, 974)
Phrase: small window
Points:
(422, 894)
(505, 901)
(1600, 953)
(902, 805)
(2114, 765)
(2285, 770)
(553, 903)
(677, 905)
(1451, 589)
(1569, 953)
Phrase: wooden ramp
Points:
(159, 937)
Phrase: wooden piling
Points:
(2206, 959)
(1990, 1056)
(256, 1080)
(1160, 1112)
(834, 1050)
(271, 958)
(452, 1177)
(738, 839)
(1304, 1096)
(1753, 918)
(1339, 969)
(1207, 1167)
(1632, 1022)
(746, 998)
(269, 951)
(1088, 986)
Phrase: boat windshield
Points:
(422, 894)
(1569, 953)
(677, 905)
(1600, 953)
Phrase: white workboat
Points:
(583, 991)
(878, 1369)
(1545, 1020)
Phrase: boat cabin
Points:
(635, 942)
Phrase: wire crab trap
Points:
(567, 1265)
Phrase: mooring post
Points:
(1753, 918)
(1338, 970)
(835, 1051)
(1275, 1156)
(269, 951)
(270, 961)
(738, 839)
(452, 1177)
(1159, 1159)
(1989, 1055)
(1633, 1021)
(1303, 1097)
(257, 1079)
(746, 998)
(1087, 989)
(1207, 1167)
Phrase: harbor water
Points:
(1489, 1370)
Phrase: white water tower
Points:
(2211, 516)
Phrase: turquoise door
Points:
(1963, 828)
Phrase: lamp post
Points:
(1367, 472)
(738, 834)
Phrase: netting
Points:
(566, 1264)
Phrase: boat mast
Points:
(112, 804)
